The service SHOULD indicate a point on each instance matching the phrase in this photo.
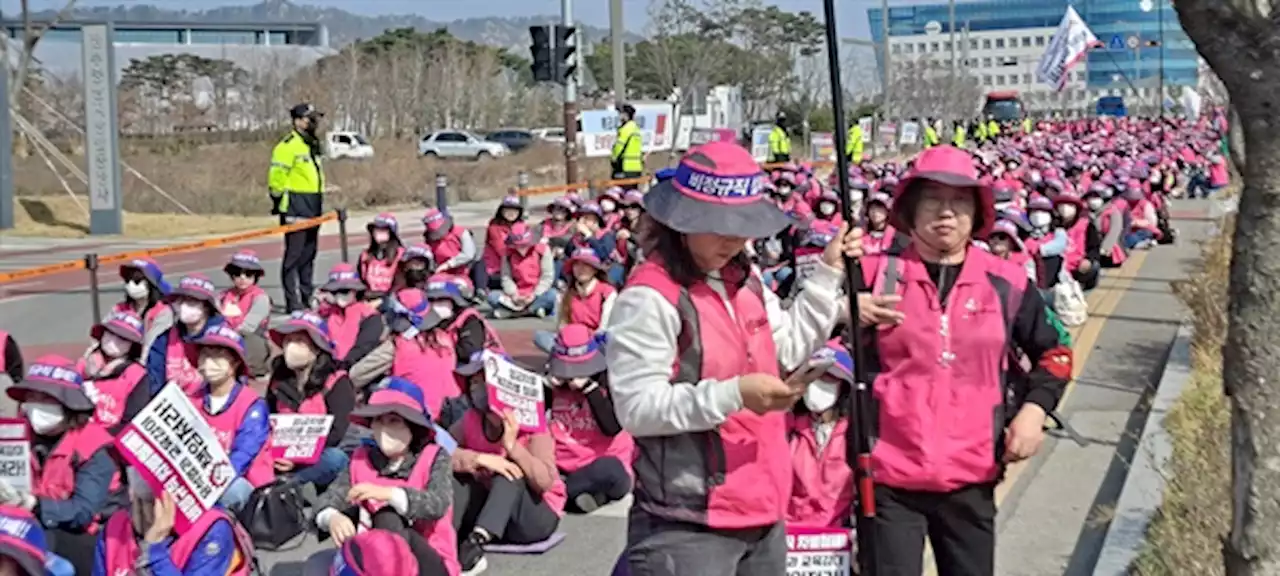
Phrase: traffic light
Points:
(566, 53)
(543, 67)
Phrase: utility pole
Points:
(570, 105)
(6, 142)
(885, 91)
(951, 29)
(618, 49)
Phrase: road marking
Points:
(1103, 302)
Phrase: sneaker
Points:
(471, 555)
(541, 313)
(501, 314)
(586, 503)
(480, 567)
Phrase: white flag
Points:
(1070, 43)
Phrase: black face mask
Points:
(415, 276)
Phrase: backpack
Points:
(275, 516)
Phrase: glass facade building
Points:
(1118, 24)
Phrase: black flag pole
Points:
(858, 435)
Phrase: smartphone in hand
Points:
(811, 371)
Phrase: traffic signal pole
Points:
(570, 96)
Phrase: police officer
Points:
(627, 157)
(296, 181)
(779, 140)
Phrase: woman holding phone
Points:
(696, 344)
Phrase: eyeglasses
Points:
(962, 203)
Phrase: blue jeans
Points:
(617, 274)
(237, 495)
(325, 470)
(544, 340)
(1137, 237)
(775, 278)
(545, 301)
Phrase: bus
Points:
(1003, 107)
(1111, 106)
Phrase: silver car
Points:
(459, 144)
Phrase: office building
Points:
(999, 42)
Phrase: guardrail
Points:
(93, 261)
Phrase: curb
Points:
(1143, 490)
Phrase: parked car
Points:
(515, 140)
(459, 144)
(553, 135)
(344, 144)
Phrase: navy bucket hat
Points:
(718, 188)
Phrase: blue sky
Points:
(852, 13)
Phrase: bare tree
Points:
(923, 87)
(1238, 39)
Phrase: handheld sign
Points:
(818, 551)
(299, 438)
(808, 258)
(15, 454)
(516, 389)
(175, 450)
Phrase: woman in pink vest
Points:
(417, 348)
(557, 228)
(306, 379)
(511, 491)
(592, 452)
(1144, 230)
(588, 300)
(945, 424)
(827, 208)
(173, 355)
(1005, 244)
(528, 277)
(246, 307)
(453, 246)
(822, 495)
(450, 299)
(144, 292)
(1084, 243)
(238, 416)
(377, 264)
(609, 202)
(695, 347)
(142, 540)
(401, 482)
(626, 249)
(416, 266)
(879, 235)
(355, 326)
(486, 272)
(113, 378)
(72, 470)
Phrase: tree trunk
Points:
(1238, 39)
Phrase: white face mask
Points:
(608, 205)
(442, 309)
(1095, 203)
(392, 439)
(137, 290)
(298, 354)
(1068, 211)
(855, 196)
(1040, 219)
(113, 346)
(821, 395)
(826, 209)
(45, 418)
(215, 369)
(344, 299)
(190, 312)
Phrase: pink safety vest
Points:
(430, 366)
(55, 479)
(121, 545)
(438, 533)
(226, 423)
(737, 475)
(495, 246)
(244, 301)
(587, 310)
(877, 242)
(823, 490)
(1146, 210)
(491, 339)
(4, 348)
(313, 404)
(109, 395)
(551, 230)
(180, 359)
(1076, 239)
(526, 270)
(941, 391)
(579, 440)
(1218, 174)
(344, 325)
(447, 248)
(148, 320)
(472, 438)
(378, 274)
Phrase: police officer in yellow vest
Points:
(627, 158)
(930, 133)
(779, 140)
(296, 183)
(853, 144)
(959, 134)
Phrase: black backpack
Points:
(275, 516)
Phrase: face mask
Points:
(827, 209)
(344, 299)
(1095, 203)
(415, 276)
(855, 196)
(443, 309)
(113, 346)
(392, 439)
(190, 312)
(1068, 211)
(784, 191)
(215, 369)
(820, 396)
(608, 205)
(137, 290)
(381, 236)
(298, 355)
(1040, 219)
(44, 418)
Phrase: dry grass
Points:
(1186, 535)
(59, 217)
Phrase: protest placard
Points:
(807, 260)
(813, 551)
(514, 388)
(299, 438)
(15, 453)
(175, 450)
